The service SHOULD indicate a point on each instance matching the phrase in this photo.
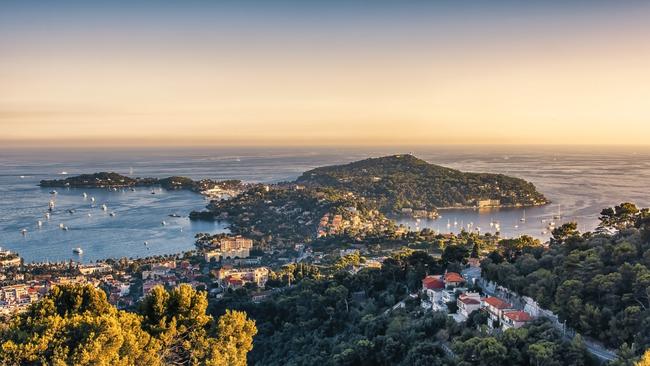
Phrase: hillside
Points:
(400, 182)
(115, 180)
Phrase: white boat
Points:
(61, 226)
(92, 199)
(64, 173)
(85, 195)
(47, 215)
(53, 192)
(523, 218)
(39, 223)
(104, 208)
(90, 214)
(23, 231)
(163, 223)
(146, 243)
(77, 251)
(516, 226)
(112, 214)
(65, 228)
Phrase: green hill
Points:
(400, 182)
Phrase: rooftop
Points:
(497, 303)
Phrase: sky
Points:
(213, 73)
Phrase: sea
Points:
(579, 180)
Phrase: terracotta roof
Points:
(433, 283)
(453, 277)
(468, 300)
(519, 316)
(497, 303)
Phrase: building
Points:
(87, 269)
(468, 303)
(453, 280)
(226, 276)
(488, 203)
(495, 308)
(229, 248)
(515, 319)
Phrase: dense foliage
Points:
(286, 214)
(404, 181)
(599, 283)
(111, 179)
(536, 344)
(75, 325)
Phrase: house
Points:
(468, 303)
(453, 280)
(495, 308)
(515, 319)
(434, 288)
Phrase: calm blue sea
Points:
(579, 181)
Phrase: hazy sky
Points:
(324, 72)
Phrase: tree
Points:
(645, 360)
(541, 353)
(564, 232)
(75, 325)
(178, 318)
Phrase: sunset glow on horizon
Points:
(243, 73)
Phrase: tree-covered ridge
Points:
(75, 325)
(598, 282)
(115, 180)
(404, 181)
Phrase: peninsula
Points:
(405, 184)
(115, 180)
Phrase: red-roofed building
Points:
(453, 279)
(468, 303)
(515, 319)
(495, 308)
(434, 283)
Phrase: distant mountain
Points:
(400, 183)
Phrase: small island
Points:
(209, 187)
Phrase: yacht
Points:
(77, 250)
